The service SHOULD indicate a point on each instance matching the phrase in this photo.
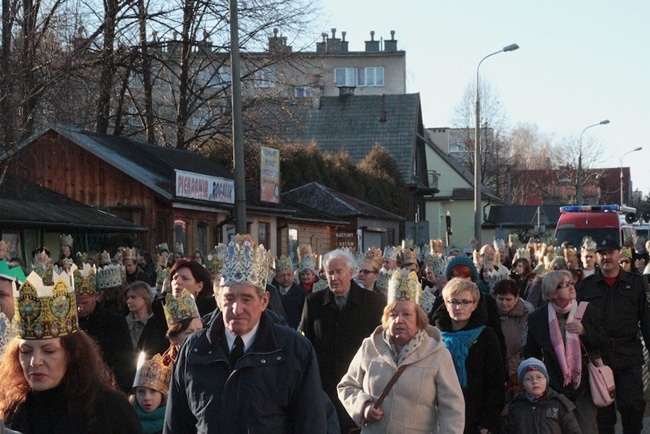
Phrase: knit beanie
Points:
(531, 364)
(462, 260)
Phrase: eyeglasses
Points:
(536, 378)
(565, 284)
(624, 261)
(457, 303)
(368, 272)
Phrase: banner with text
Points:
(204, 187)
(270, 175)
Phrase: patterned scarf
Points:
(458, 344)
(567, 353)
(407, 349)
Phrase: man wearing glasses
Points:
(624, 300)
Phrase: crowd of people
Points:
(408, 339)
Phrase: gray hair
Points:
(551, 281)
(340, 254)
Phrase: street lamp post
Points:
(621, 165)
(580, 174)
(477, 148)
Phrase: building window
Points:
(302, 91)
(345, 76)
(202, 236)
(263, 234)
(265, 77)
(180, 236)
(371, 76)
(292, 245)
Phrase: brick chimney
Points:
(372, 46)
(391, 44)
(278, 44)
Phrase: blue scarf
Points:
(458, 344)
(151, 422)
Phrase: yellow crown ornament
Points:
(43, 311)
(374, 257)
(179, 308)
(626, 252)
(153, 373)
(246, 262)
(85, 280)
(404, 287)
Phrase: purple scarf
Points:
(567, 353)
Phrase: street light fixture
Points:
(621, 165)
(580, 175)
(477, 148)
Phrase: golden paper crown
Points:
(404, 287)
(110, 276)
(45, 272)
(522, 252)
(513, 239)
(409, 256)
(81, 258)
(215, 259)
(4, 250)
(154, 374)
(436, 246)
(8, 330)
(85, 280)
(179, 308)
(283, 263)
(374, 256)
(66, 239)
(570, 252)
(162, 274)
(626, 252)
(246, 262)
(104, 258)
(43, 311)
(391, 252)
(129, 254)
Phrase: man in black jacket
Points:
(624, 300)
(336, 321)
(244, 374)
(292, 294)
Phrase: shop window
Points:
(202, 229)
(292, 245)
(180, 236)
(263, 234)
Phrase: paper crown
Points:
(404, 287)
(162, 247)
(626, 252)
(14, 273)
(304, 250)
(85, 280)
(4, 250)
(81, 258)
(409, 256)
(8, 331)
(436, 246)
(522, 252)
(179, 248)
(246, 262)
(373, 256)
(499, 244)
(179, 308)
(45, 271)
(283, 263)
(110, 276)
(570, 252)
(104, 258)
(513, 239)
(588, 244)
(66, 239)
(306, 258)
(43, 311)
(153, 373)
(41, 254)
(408, 244)
(215, 259)
(438, 262)
(162, 274)
(391, 252)
(128, 253)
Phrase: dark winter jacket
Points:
(485, 392)
(538, 344)
(293, 302)
(273, 388)
(552, 414)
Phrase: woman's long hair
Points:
(86, 376)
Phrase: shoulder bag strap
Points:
(389, 386)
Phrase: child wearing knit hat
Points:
(538, 408)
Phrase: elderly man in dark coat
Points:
(337, 321)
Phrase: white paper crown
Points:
(246, 262)
(110, 276)
(523, 252)
(391, 252)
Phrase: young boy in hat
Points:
(539, 408)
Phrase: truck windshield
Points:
(575, 236)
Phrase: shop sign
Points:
(204, 187)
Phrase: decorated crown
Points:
(588, 244)
(499, 244)
(81, 257)
(104, 258)
(404, 287)
(391, 252)
(626, 252)
(110, 276)
(570, 252)
(162, 274)
(408, 243)
(153, 373)
(179, 248)
(179, 308)
(436, 246)
(439, 265)
(44, 271)
(66, 239)
(374, 256)
(8, 331)
(44, 311)
(522, 252)
(85, 280)
(304, 250)
(162, 247)
(283, 263)
(129, 254)
(14, 273)
(246, 262)
(215, 259)
(4, 250)
(513, 239)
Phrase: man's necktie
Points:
(237, 351)
(340, 301)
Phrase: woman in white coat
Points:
(427, 398)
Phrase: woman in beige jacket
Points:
(427, 398)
